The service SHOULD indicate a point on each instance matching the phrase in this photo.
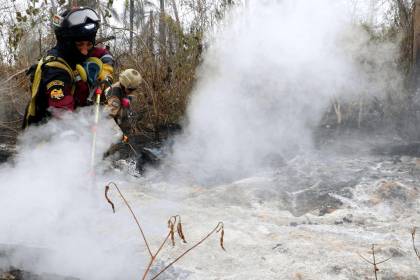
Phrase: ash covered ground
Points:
(309, 218)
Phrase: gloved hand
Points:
(106, 82)
(125, 102)
(106, 73)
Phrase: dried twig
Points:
(15, 75)
(374, 263)
(107, 198)
(222, 234)
(134, 216)
(219, 227)
(413, 235)
(172, 222)
(104, 39)
(171, 226)
(146, 272)
(179, 230)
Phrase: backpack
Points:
(36, 109)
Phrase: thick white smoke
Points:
(54, 218)
(265, 82)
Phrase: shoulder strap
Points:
(58, 62)
(31, 111)
(50, 61)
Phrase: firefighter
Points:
(119, 96)
(117, 105)
(64, 79)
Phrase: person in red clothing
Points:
(64, 78)
(82, 90)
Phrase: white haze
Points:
(50, 203)
(264, 83)
(266, 80)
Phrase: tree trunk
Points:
(416, 37)
(337, 110)
(360, 117)
(142, 14)
(162, 33)
(151, 35)
(176, 13)
(416, 46)
(176, 38)
(53, 9)
(200, 14)
(131, 25)
(40, 42)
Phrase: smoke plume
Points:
(55, 218)
(265, 82)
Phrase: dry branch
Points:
(174, 221)
(413, 235)
(104, 39)
(374, 263)
(15, 75)
(109, 200)
(219, 227)
(134, 216)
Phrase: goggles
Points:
(80, 17)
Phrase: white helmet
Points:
(130, 79)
